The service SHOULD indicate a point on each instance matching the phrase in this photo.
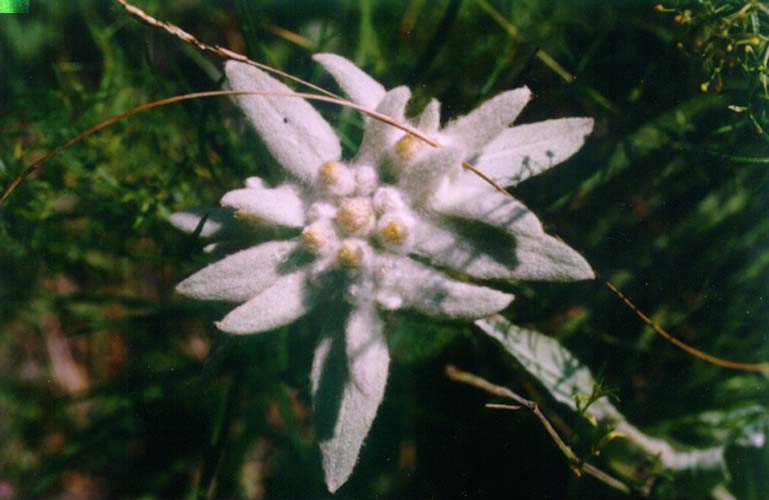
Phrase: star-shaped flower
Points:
(375, 232)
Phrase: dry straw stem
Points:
(576, 464)
(335, 99)
(725, 363)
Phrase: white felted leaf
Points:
(744, 425)
(280, 304)
(489, 119)
(424, 175)
(527, 150)
(535, 254)
(359, 87)
(430, 120)
(406, 284)
(379, 136)
(565, 377)
(219, 222)
(293, 131)
(281, 206)
(548, 361)
(348, 382)
(240, 276)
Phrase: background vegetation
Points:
(111, 386)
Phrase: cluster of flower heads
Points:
(377, 231)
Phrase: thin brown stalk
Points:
(496, 406)
(724, 363)
(575, 462)
(709, 358)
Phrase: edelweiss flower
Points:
(369, 230)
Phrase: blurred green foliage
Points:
(114, 387)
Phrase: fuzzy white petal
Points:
(281, 206)
(425, 175)
(347, 394)
(533, 254)
(379, 136)
(527, 150)
(240, 276)
(406, 284)
(220, 221)
(294, 132)
(445, 247)
(282, 303)
(319, 360)
(256, 182)
(359, 87)
(430, 120)
(489, 119)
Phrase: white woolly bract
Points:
(369, 228)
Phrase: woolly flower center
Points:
(355, 214)
(350, 254)
(408, 147)
(394, 231)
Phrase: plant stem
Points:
(207, 484)
(577, 465)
